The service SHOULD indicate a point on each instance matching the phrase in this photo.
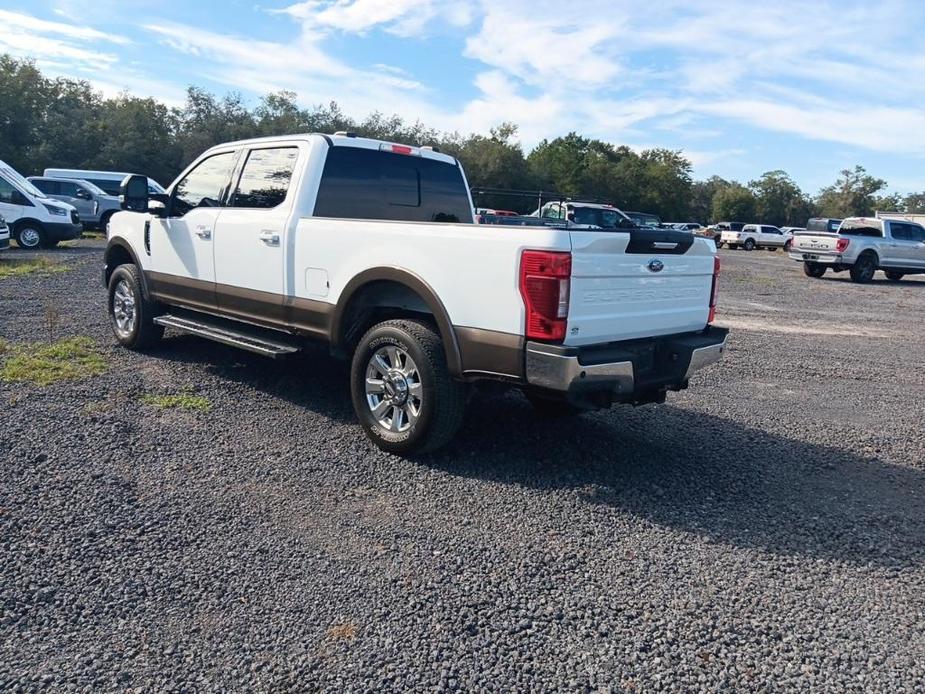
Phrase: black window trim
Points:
(238, 172)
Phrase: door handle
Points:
(203, 232)
(270, 238)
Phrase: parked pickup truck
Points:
(371, 248)
(862, 246)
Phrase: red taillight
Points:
(842, 245)
(714, 290)
(399, 149)
(544, 286)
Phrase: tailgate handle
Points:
(664, 245)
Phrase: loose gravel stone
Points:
(762, 531)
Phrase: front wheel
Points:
(402, 390)
(864, 268)
(893, 276)
(814, 270)
(131, 316)
(30, 236)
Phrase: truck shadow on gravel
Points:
(707, 475)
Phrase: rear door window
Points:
(359, 183)
(265, 179)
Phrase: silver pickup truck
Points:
(863, 245)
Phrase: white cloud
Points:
(402, 17)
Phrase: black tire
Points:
(104, 220)
(441, 403)
(893, 276)
(30, 235)
(749, 244)
(864, 268)
(143, 332)
(787, 245)
(814, 270)
(552, 408)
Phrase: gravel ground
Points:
(763, 530)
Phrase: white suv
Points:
(755, 236)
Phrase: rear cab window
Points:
(360, 183)
(861, 227)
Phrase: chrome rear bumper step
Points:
(228, 333)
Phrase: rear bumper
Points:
(823, 258)
(634, 371)
(63, 231)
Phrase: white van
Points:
(109, 181)
(36, 220)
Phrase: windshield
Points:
(16, 178)
(592, 216)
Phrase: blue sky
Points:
(741, 86)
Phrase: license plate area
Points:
(810, 256)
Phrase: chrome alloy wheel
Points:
(29, 238)
(393, 389)
(123, 308)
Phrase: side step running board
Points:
(229, 333)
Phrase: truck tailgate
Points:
(816, 242)
(628, 285)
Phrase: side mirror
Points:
(83, 194)
(18, 198)
(134, 193)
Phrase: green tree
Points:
(735, 203)
(24, 97)
(852, 195)
(779, 201)
(701, 201)
(914, 203)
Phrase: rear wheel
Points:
(30, 235)
(814, 270)
(894, 276)
(403, 393)
(749, 244)
(864, 268)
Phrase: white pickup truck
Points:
(371, 248)
(863, 245)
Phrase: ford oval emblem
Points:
(655, 265)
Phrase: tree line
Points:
(65, 123)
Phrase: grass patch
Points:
(46, 363)
(181, 401)
(342, 632)
(16, 267)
